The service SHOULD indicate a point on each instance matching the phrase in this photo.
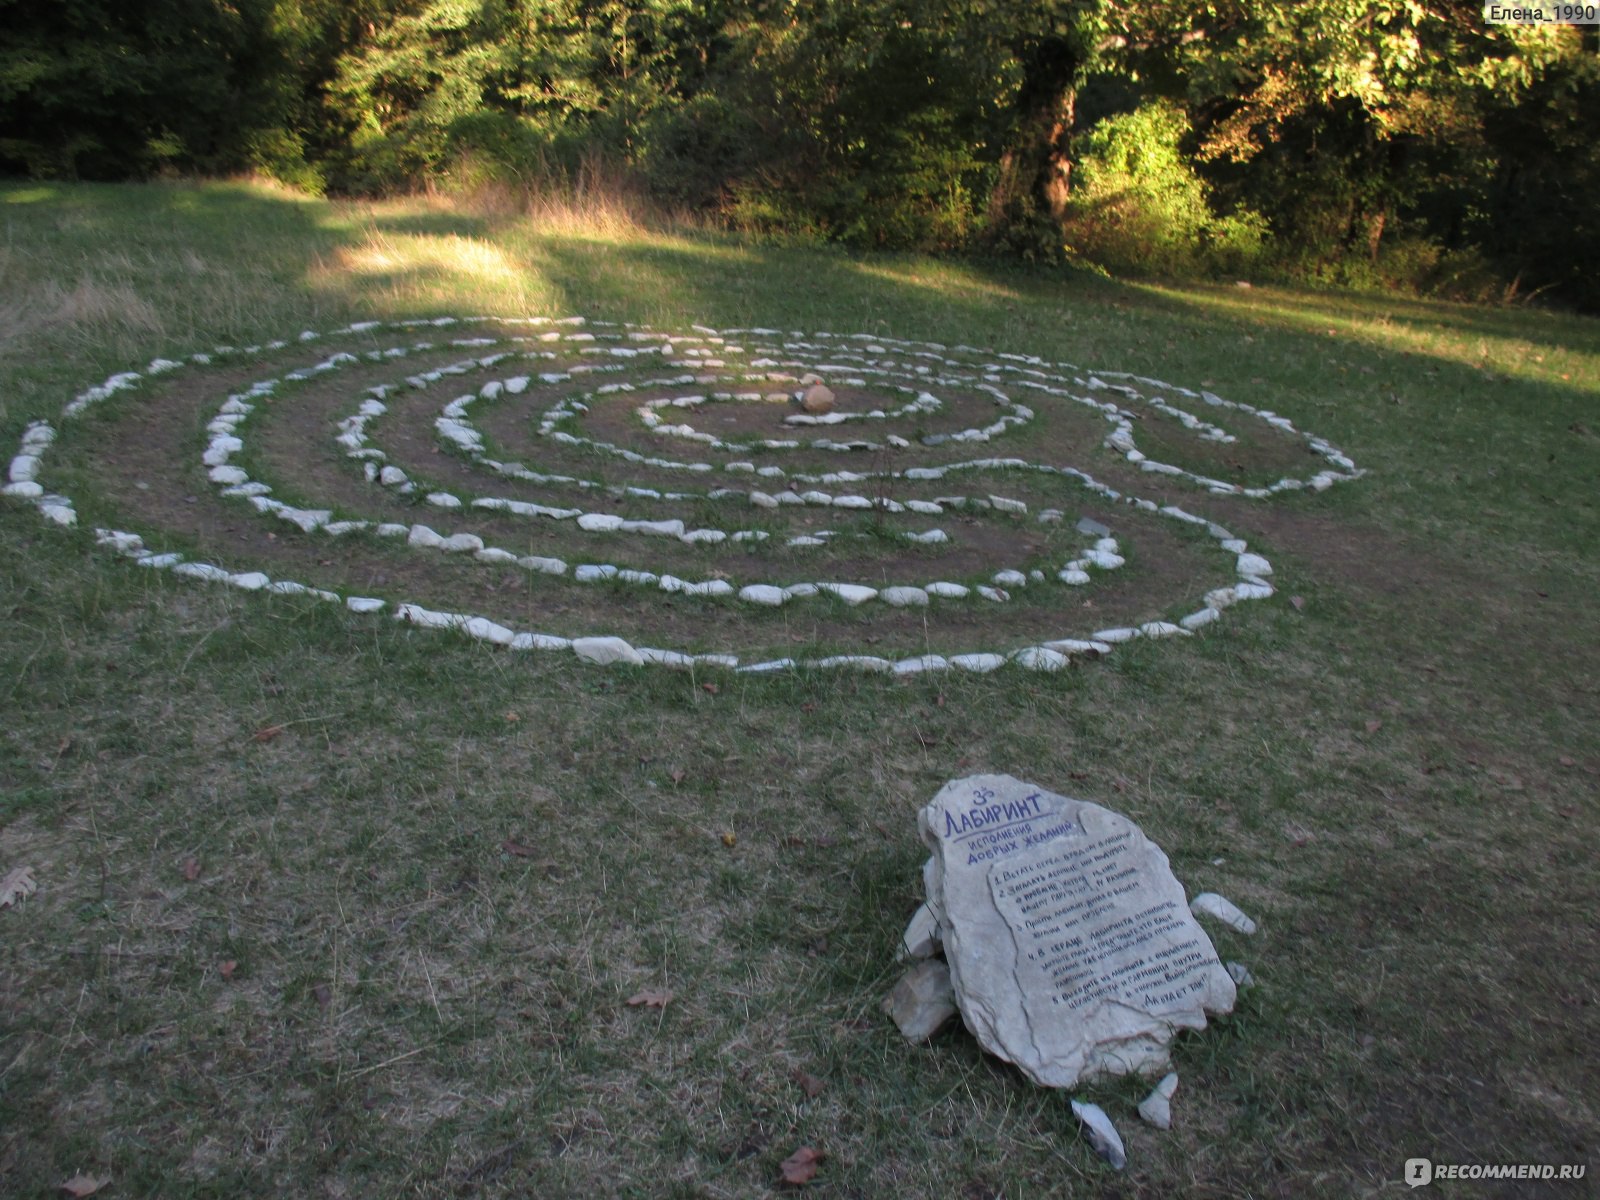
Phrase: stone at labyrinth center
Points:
(706, 352)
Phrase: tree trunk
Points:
(1035, 170)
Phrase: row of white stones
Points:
(1050, 655)
(225, 429)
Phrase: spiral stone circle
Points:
(761, 488)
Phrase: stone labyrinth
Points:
(650, 497)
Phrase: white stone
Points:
(1040, 658)
(917, 666)
(1042, 901)
(921, 938)
(306, 518)
(1253, 591)
(492, 554)
(364, 604)
(1253, 564)
(1200, 618)
(1212, 905)
(600, 522)
(543, 565)
(1079, 647)
(922, 1001)
(763, 593)
(1102, 1134)
(850, 593)
(1241, 974)
(486, 630)
(424, 538)
(204, 571)
(249, 581)
(606, 650)
(23, 491)
(948, 591)
(415, 614)
(1162, 629)
(1156, 1108)
(1073, 577)
(443, 500)
(904, 597)
(392, 476)
(979, 663)
(1010, 579)
(1103, 560)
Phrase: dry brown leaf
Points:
(651, 998)
(1299, 602)
(1566, 760)
(676, 776)
(84, 1185)
(191, 869)
(801, 1166)
(267, 734)
(512, 846)
(513, 717)
(1374, 725)
(710, 688)
(227, 969)
(809, 1084)
(729, 839)
(323, 994)
(17, 884)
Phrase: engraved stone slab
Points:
(1071, 947)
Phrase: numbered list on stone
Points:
(1090, 929)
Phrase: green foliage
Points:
(1332, 138)
(1139, 204)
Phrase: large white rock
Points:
(606, 650)
(904, 597)
(1072, 950)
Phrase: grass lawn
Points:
(332, 906)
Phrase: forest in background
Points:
(1396, 144)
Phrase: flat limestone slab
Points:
(1071, 947)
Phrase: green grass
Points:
(1397, 778)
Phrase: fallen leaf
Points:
(651, 998)
(17, 885)
(808, 707)
(191, 869)
(1374, 725)
(676, 776)
(512, 846)
(323, 995)
(729, 839)
(809, 1084)
(710, 689)
(84, 1185)
(267, 734)
(926, 742)
(801, 1166)
(1299, 602)
(227, 969)
(513, 717)
(1566, 760)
